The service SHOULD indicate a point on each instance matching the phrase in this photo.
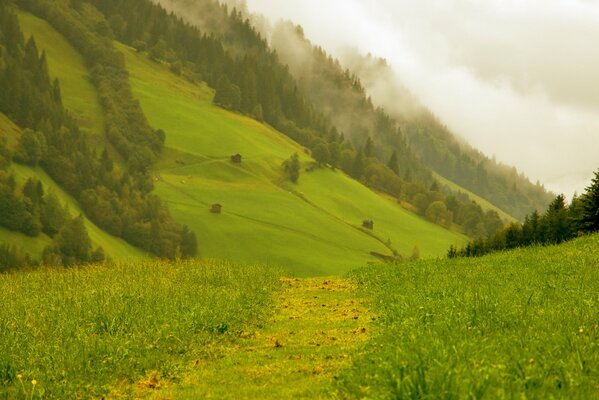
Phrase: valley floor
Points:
(318, 327)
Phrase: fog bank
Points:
(518, 80)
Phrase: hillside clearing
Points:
(306, 228)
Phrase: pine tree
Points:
(557, 220)
(52, 215)
(393, 163)
(369, 147)
(73, 242)
(358, 165)
(292, 167)
(590, 206)
(321, 154)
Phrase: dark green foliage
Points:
(590, 206)
(559, 223)
(17, 211)
(12, 257)
(53, 215)
(5, 153)
(292, 167)
(189, 243)
(32, 148)
(227, 94)
(393, 163)
(30, 211)
(73, 242)
(321, 154)
(97, 255)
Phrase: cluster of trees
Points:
(13, 257)
(29, 210)
(561, 222)
(292, 167)
(116, 199)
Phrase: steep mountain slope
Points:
(311, 228)
(66, 64)
(359, 98)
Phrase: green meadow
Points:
(313, 228)
(104, 331)
(521, 324)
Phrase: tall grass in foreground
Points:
(523, 324)
(79, 332)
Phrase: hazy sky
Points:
(517, 79)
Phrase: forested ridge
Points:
(117, 199)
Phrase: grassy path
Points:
(318, 326)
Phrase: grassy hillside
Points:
(520, 324)
(311, 228)
(65, 63)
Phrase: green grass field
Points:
(311, 229)
(520, 324)
(100, 332)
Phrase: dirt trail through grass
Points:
(318, 327)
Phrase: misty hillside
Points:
(323, 109)
(393, 119)
(188, 167)
(352, 98)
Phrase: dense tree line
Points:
(118, 201)
(559, 223)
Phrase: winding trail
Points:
(318, 327)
